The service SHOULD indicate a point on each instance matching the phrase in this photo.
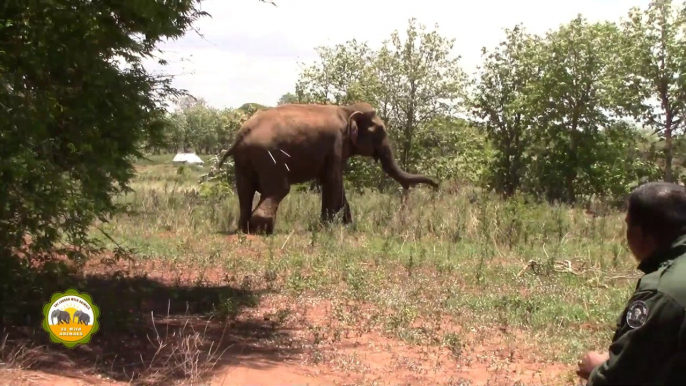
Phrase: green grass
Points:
(458, 256)
(447, 270)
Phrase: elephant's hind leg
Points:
(273, 191)
(246, 187)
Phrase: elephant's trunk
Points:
(385, 155)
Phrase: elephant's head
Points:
(368, 137)
(55, 314)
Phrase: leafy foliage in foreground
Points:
(75, 103)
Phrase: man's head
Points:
(655, 218)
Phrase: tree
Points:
(568, 104)
(186, 102)
(545, 103)
(456, 150)
(231, 121)
(203, 128)
(340, 76)
(412, 83)
(221, 181)
(343, 74)
(72, 116)
(619, 163)
(251, 108)
(288, 98)
(649, 71)
(420, 82)
(507, 76)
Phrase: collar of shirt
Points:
(653, 262)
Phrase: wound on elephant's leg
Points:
(262, 222)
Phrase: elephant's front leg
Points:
(332, 206)
(333, 196)
(347, 215)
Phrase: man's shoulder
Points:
(667, 280)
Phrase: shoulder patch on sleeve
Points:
(636, 314)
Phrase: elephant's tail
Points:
(242, 133)
(225, 156)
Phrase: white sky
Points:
(251, 50)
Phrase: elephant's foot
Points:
(327, 217)
(257, 227)
(342, 215)
(261, 224)
(244, 226)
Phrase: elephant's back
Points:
(300, 136)
(291, 124)
(286, 116)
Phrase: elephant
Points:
(296, 143)
(62, 316)
(84, 318)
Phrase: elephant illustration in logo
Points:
(84, 318)
(62, 316)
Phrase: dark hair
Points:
(659, 208)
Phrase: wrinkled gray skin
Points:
(84, 318)
(292, 144)
(62, 316)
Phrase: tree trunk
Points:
(669, 155)
(663, 87)
(514, 155)
(409, 128)
(570, 176)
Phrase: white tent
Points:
(189, 158)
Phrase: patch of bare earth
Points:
(298, 341)
(334, 355)
(17, 377)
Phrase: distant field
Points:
(474, 290)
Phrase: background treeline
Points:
(587, 110)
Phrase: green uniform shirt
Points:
(649, 345)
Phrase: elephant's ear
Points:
(352, 127)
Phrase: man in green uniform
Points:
(649, 345)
